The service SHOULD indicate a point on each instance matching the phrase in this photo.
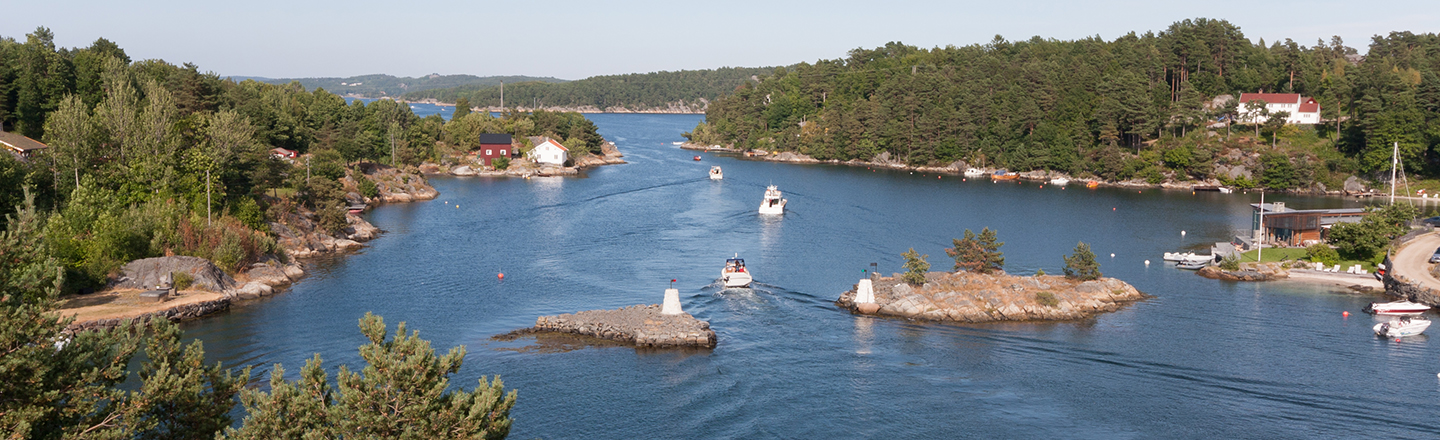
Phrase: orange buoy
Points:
(1112, 209)
(501, 275)
(1345, 314)
(937, 177)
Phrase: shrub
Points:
(1039, 272)
(501, 163)
(977, 253)
(1322, 253)
(915, 267)
(181, 280)
(1230, 262)
(367, 187)
(1046, 299)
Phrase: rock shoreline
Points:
(173, 314)
(976, 298)
(639, 325)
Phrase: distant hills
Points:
(375, 86)
(684, 91)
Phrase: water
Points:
(420, 109)
(1202, 359)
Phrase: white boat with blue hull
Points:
(1405, 326)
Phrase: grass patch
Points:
(282, 192)
(1275, 255)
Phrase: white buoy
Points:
(1147, 263)
(671, 306)
(1182, 234)
(1112, 255)
(865, 292)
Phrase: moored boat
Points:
(1397, 308)
(716, 174)
(773, 204)
(1092, 184)
(697, 158)
(1192, 265)
(735, 274)
(1405, 326)
(1004, 175)
(1059, 181)
(974, 172)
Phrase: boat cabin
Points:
(735, 265)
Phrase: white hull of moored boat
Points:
(1397, 308)
(773, 204)
(974, 172)
(1059, 181)
(1402, 327)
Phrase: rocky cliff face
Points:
(968, 297)
(149, 273)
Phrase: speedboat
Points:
(716, 174)
(1059, 181)
(1405, 326)
(974, 172)
(1177, 256)
(735, 274)
(1226, 190)
(697, 158)
(773, 203)
(1397, 308)
(1192, 265)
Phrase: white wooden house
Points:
(550, 152)
(1303, 110)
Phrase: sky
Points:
(579, 39)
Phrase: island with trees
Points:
(685, 91)
(980, 291)
(1144, 108)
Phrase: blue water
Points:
(1201, 359)
(419, 108)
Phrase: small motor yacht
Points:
(735, 274)
(1178, 256)
(1397, 308)
(1059, 181)
(1405, 326)
(697, 158)
(974, 172)
(716, 174)
(773, 203)
(1192, 264)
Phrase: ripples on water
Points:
(1202, 359)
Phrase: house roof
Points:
(17, 142)
(1309, 106)
(1271, 98)
(552, 142)
(493, 138)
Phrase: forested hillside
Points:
(378, 86)
(141, 153)
(1095, 107)
(688, 89)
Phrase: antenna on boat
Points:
(1394, 164)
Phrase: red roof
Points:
(552, 141)
(1309, 106)
(1271, 98)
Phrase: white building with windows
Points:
(550, 152)
(1303, 110)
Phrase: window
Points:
(487, 152)
(502, 152)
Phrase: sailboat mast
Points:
(1394, 163)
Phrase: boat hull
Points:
(777, 208)
(736, 279)
(1398, 329)
(1397, 308)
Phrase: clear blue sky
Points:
(578, 39)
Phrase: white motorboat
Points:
(1397, 308)
(1059, 181)
(716, 174)
(1177, 256)
(1405, 326)
(1192, 265)
(735, 274)
(1226, 190)
(773, 204)
(974, 172)
(1188, 257)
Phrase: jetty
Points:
(973, 297)
(653, 325)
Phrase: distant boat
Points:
(735, 274)
(1059, 181)
(1092, 184)
(773, 204)
(1192, 265)
(1226, 190)
(677, 143)
(716, 174)
(697, 158)
(1004, 175)
(1406, 326)
(974, 172)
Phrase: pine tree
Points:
(915, 267)
(401, 393)
(979, 254)
(1081, 264)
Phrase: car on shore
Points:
(1435, 257)
(1432, 221)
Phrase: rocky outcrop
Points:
(969, 297)
(151, 272)
(301, 237)
(177, 313)
(640, 325)
(1247, 272)
(394, 185)
(791, 157)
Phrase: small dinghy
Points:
(1405, 326)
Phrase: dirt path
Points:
(125, 304)
(1413, 260)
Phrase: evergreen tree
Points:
(1081, 264)
(979, 254)
(915, 267)
(401, 393)
(462, 108)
